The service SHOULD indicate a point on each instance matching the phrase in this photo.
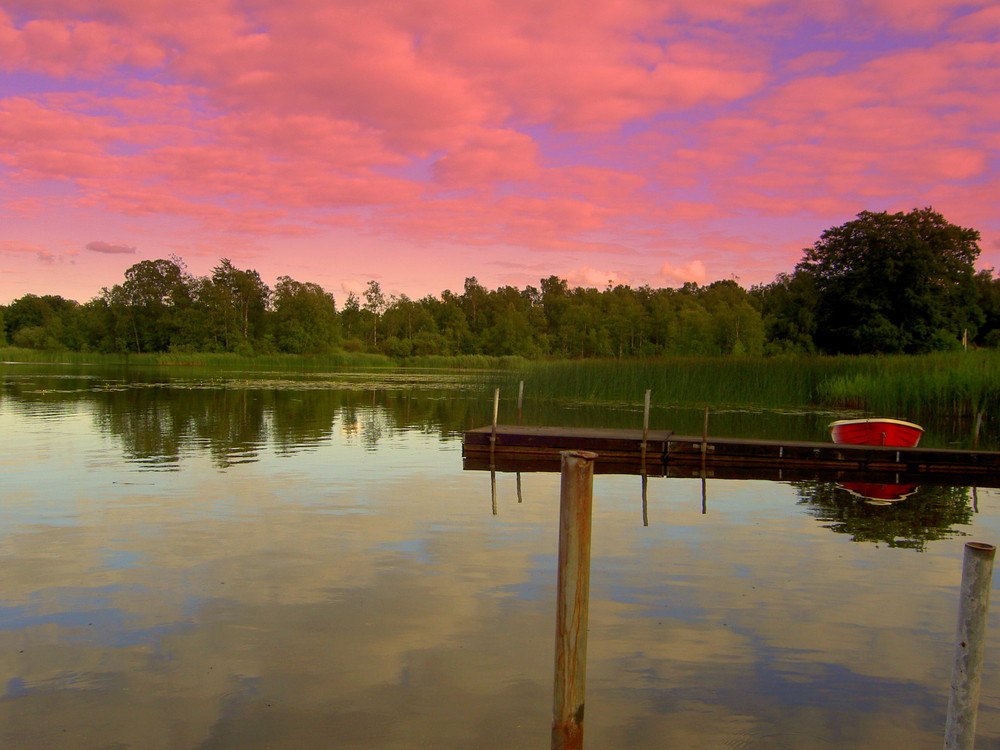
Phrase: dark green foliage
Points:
(894, 283)
(988, 287)
(47, 322)
(788, 306)
(304, 320)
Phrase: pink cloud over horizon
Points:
(421, 143)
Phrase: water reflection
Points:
(902, 516)
(160, 422)
(923, 515)
(878, 493)
(346, 586)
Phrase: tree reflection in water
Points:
(928, 514)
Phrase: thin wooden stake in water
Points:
(493, 445)
(704, 435)
(963, 704)
(645, 506)
(520, 400)
(496, 410)
(975, 431)
(572, 599)
(645, 422)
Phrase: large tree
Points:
(236, 301)
(304, 318)
(155, 292)
(900, 282)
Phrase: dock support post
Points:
(963, 703)
(572, 599)
(704, 435)
(520, 400)
(645, 422)
(645, 504)
(496, 410)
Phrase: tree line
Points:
(893, 283)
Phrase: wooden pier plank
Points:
(623, 447)
(569, 438)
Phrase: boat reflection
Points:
(925, 514)
(879, 494)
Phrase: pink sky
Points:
(421, 142)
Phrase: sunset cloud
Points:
(106, 247)
(677, 275)
(591, 277)
(320, 134)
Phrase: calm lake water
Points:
(250, 561)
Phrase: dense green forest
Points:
(883, 283)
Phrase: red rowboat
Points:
(876, 431)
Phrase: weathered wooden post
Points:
(966, 674)
(645, 506)
(520, 400)
(572, 599)
(642, 456)
(704, 454)
(704, 435)
(645, 422)
(496, 410)
(493, 445)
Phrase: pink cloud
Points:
(585, 276)
(534, 128)
(693, 270)
(15, 247)
(99, 246)
(924, 15)
(980, 23)
(488, 158)
(65, 48)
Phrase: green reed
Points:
(222, 360)
(680, 380)
(955, 396)
(956, 383)
(959, 384)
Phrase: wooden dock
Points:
(526, 448)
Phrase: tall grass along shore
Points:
(958, 385)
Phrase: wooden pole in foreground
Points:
(520, 400)
(967, 670)
(572, 599)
